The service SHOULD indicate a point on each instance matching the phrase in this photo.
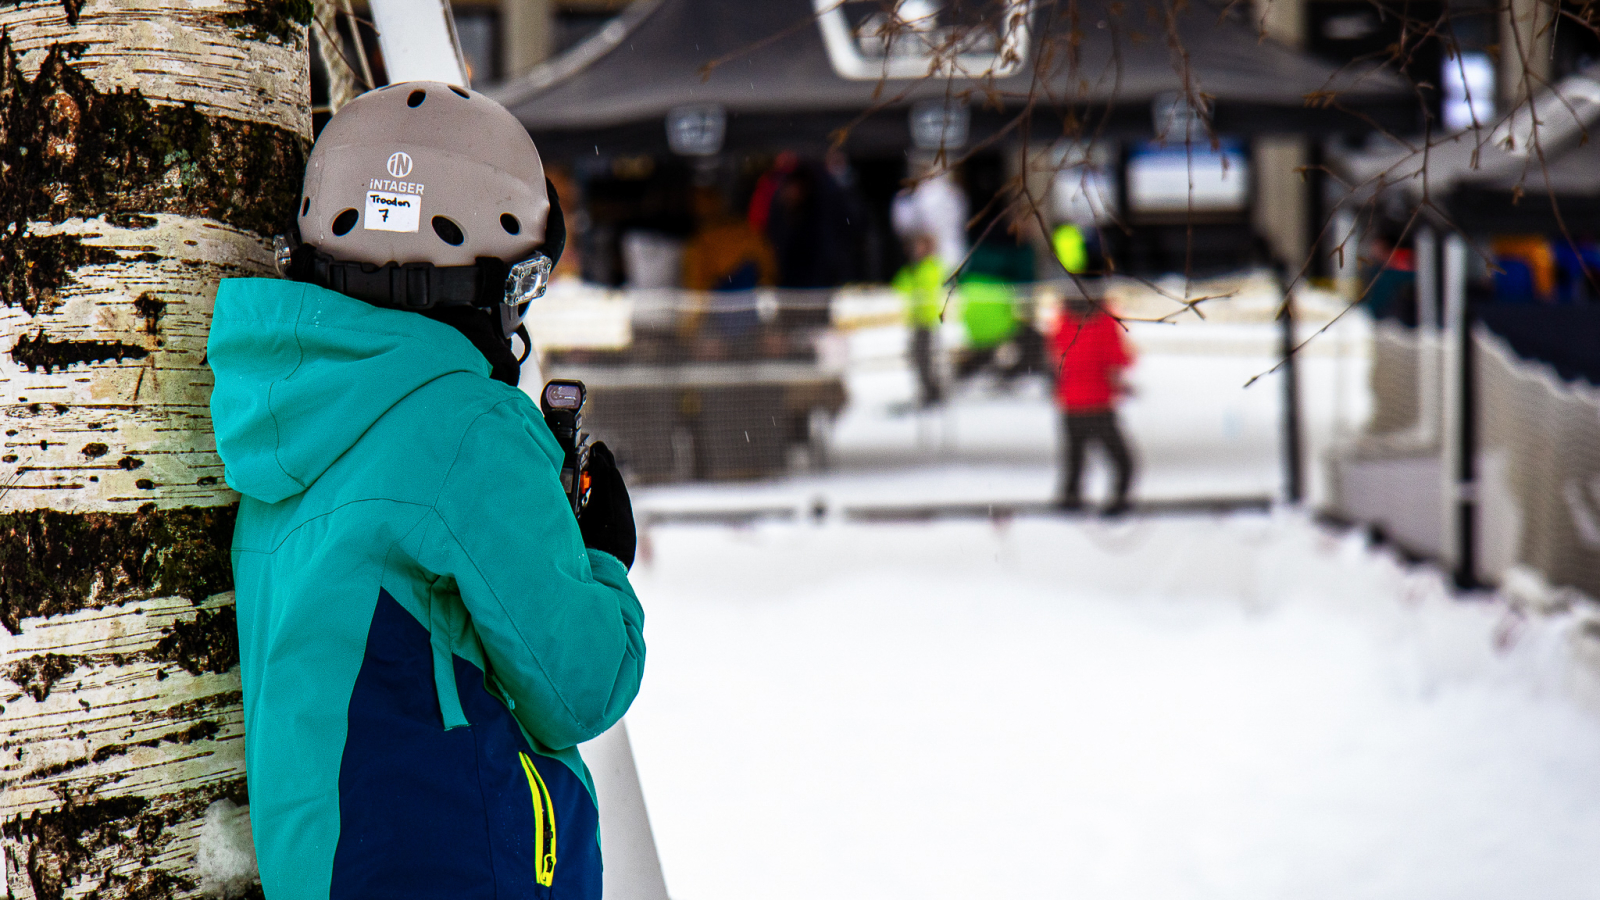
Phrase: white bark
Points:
(108, 772)
(175, 53)
(154, 410)
(108, 703)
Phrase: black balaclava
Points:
(482, 328)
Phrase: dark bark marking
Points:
(95, 451)
(55, 769)
(150, 308)
(63, 840)
(199, 731)
(69, 150)
(131, 221)
(37, 674)
(33, 268)
(53, 563)
(261, 20)
(128, 463)
(84, 841)
(72, 7)
(39, 352)
(209, 643)
(190, 709)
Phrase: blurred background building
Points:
(744, 181)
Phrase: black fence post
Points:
(1466, 574)
(1459, 444)
(1293, 461)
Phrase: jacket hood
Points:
(302, 372)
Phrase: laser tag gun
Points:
(562, 405)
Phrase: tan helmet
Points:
(424, 172)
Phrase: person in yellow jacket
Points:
(922, 283)
(1071, 247)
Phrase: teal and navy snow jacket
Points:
(423, 636)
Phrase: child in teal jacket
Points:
(424, 637)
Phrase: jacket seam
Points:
(483, 798)
(455, 459)
(277, 429)
(291, 532)
(398, 400)
(511, 619)
(445, 523)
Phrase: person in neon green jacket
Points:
(1071, 248)
(990, 304)
(922, 283)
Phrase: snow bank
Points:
(226, 858)
(1241, 707)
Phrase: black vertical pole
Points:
(1293, 482)
(1460, 440)
(1316, 210)
(1118, 250)
(1466, 575)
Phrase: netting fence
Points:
(1537, 496)
(791, 394)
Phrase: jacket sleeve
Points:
(560, 626)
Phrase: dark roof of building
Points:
(767, 64)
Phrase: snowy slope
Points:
(1238, 708)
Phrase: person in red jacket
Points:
(1090, 356)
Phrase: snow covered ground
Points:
(1241, 707)
(1229, 707)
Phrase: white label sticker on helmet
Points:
(392, 212)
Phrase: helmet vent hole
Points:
(343, 222)
(510, 223)
(448, 231)
(305, 206)
(460, 92)
(416, 98)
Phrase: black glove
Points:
(607, 519)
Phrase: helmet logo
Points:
(399, 165)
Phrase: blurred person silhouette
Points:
(724, 256)
(1000, 335)
(1076, 247)
(1091, 356)
(934, 205)
(921, 283)
(766, 190)
(1389, 277)
(814, 218)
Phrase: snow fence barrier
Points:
(1538, 462)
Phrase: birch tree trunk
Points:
(148, 148)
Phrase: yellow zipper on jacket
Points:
(545, 812)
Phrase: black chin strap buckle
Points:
(409, 286)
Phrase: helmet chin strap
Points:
(527, 343)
